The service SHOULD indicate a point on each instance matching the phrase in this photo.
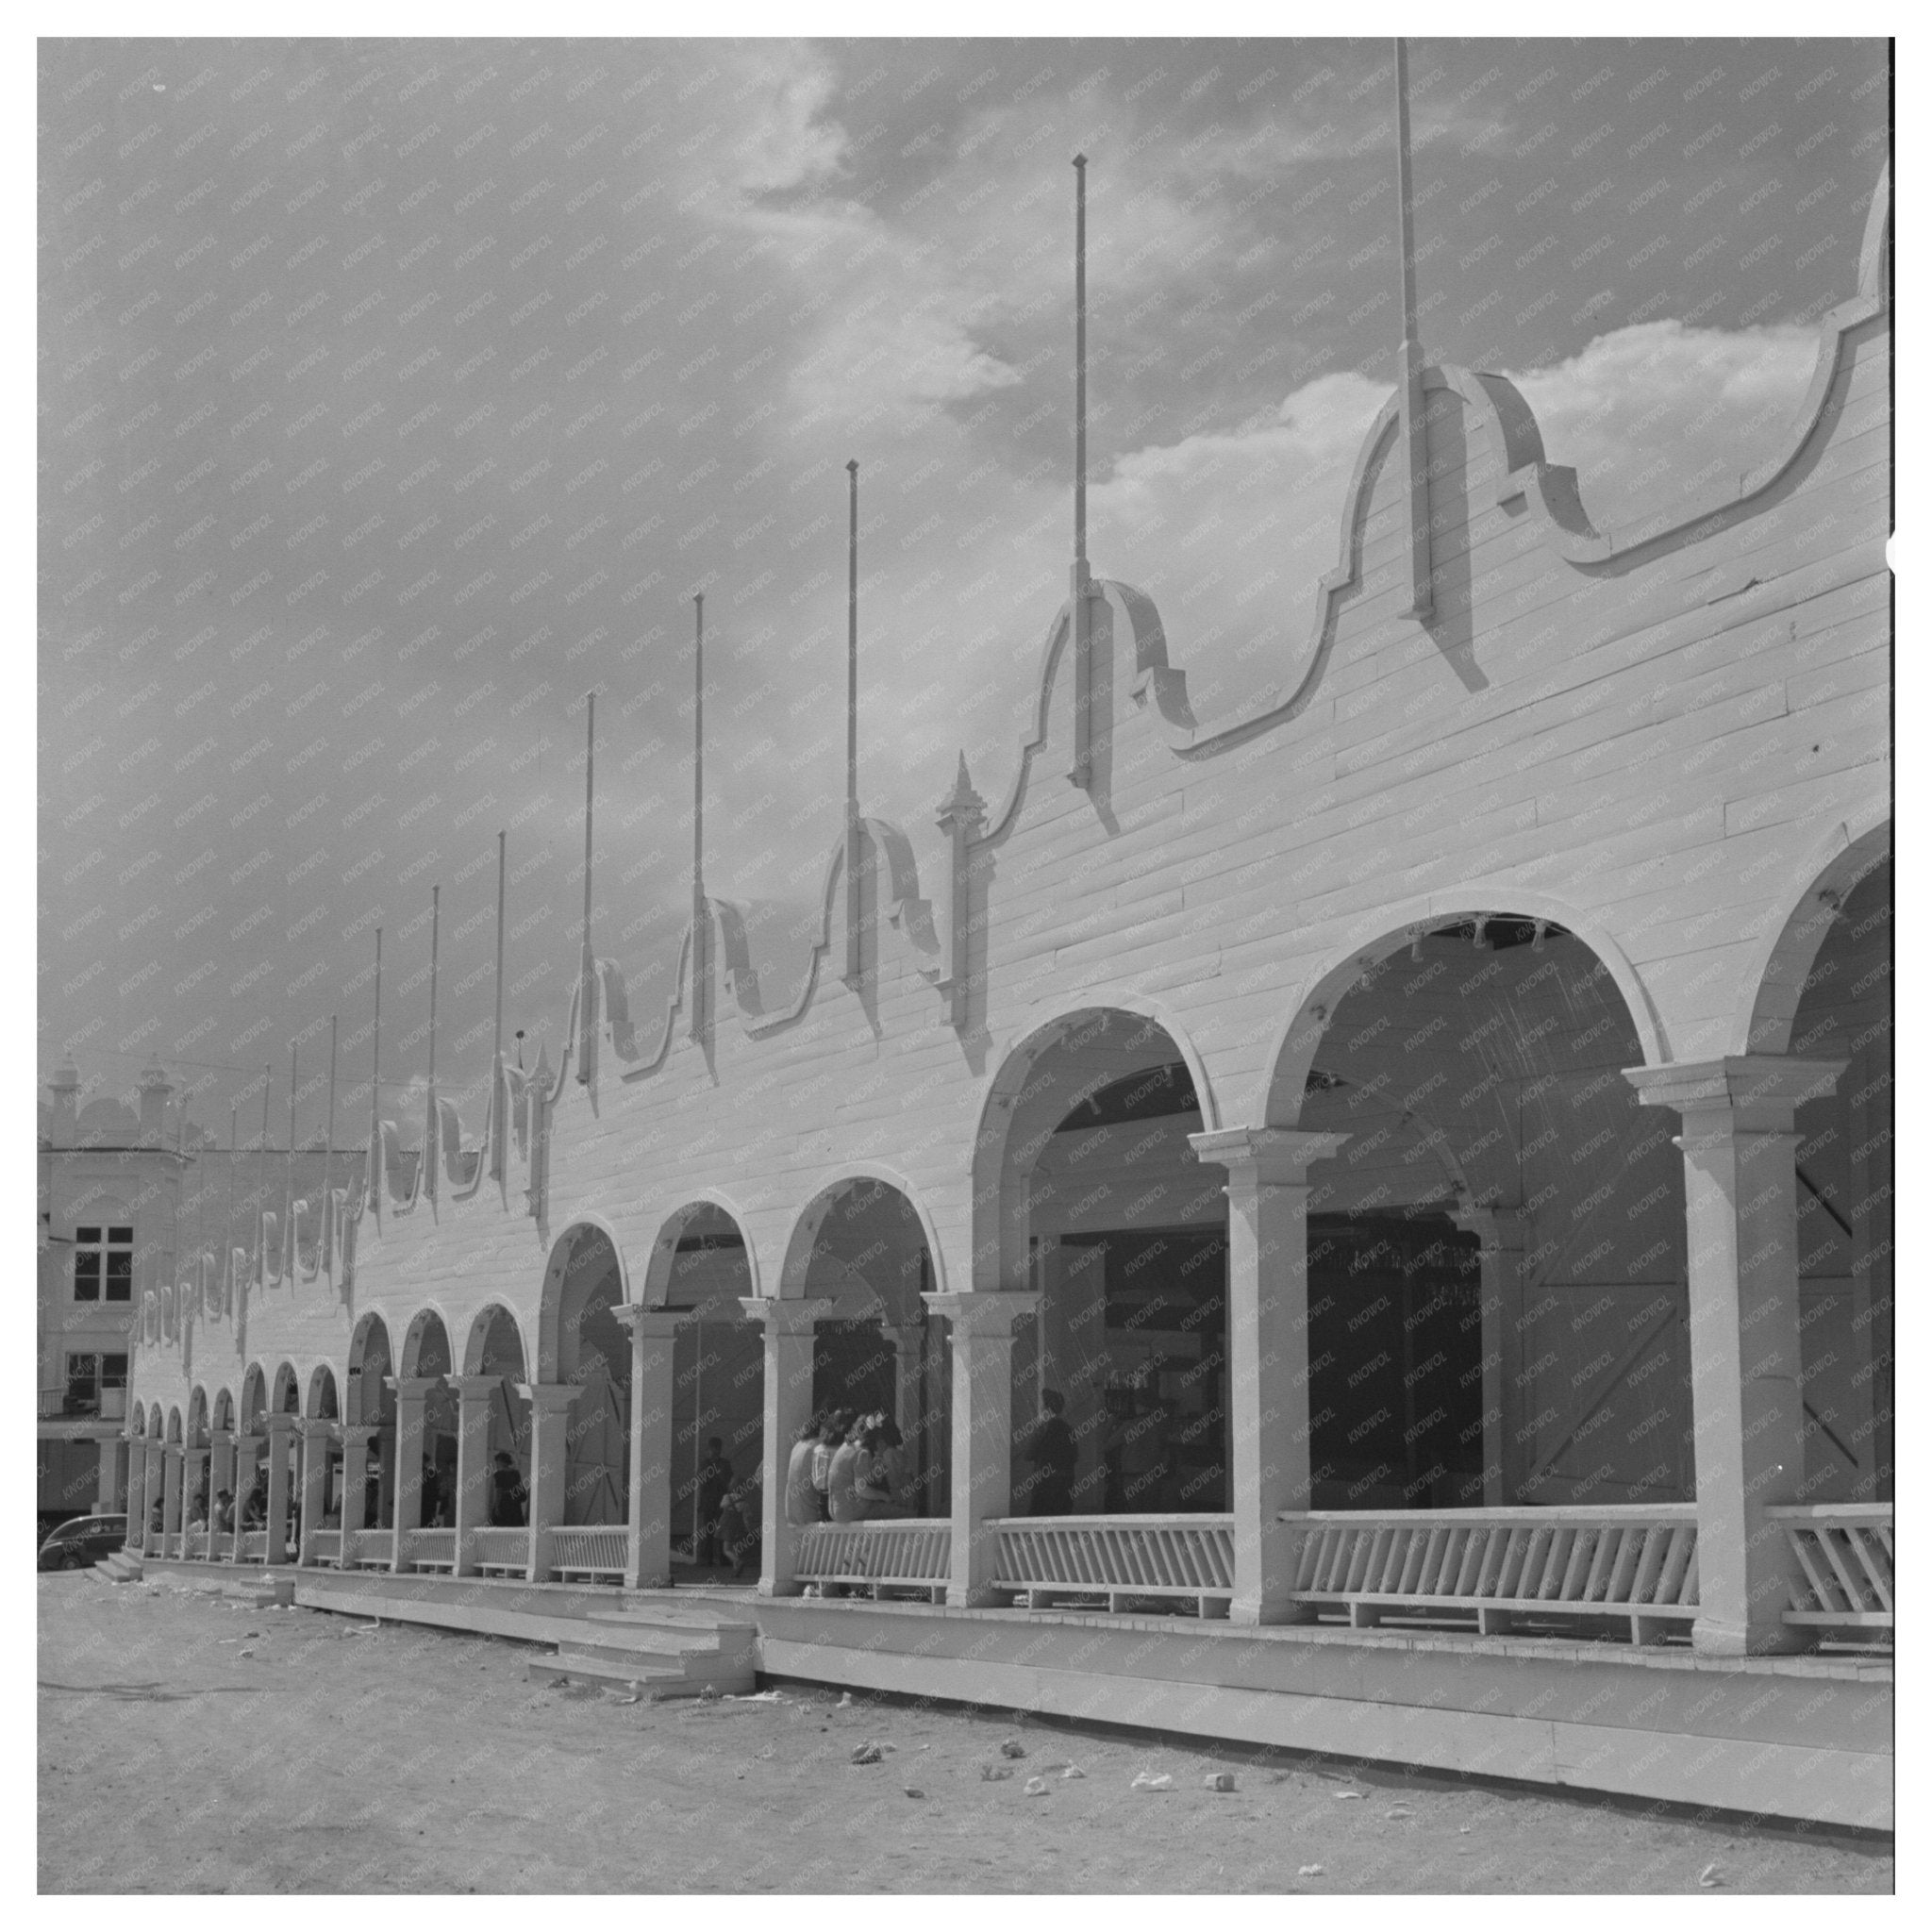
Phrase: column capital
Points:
(412, 1387)
(314, 1428)
(221, 1439)
(652, 1324)
(473, 1388)
(984, 1311)
(1277, 1155)
(364, 1433)
(1760, 1091)
(786, 1317)
(550, 1398)
(281, 1424)
(1494, 1224)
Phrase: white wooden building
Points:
(1434, 1128)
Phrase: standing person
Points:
(432, 1493)
(1049, 1446)
(714, 1480)
(508, 1494)
(804, 1500)
(224, 1511)
(738, 1533)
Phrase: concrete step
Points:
(119, 1568)
(658, 1679)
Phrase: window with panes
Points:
(104, 1263)
(87, 1374)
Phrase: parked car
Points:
(85, 1540)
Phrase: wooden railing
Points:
(430, 1549)
(325, 1546)
(913, 1552)
(1119, 1558)
(367, 1549)
(254, 1547)
(1628, 1562)
(1845, 1551)
(589, 1550)
(502, 1549)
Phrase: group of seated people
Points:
(847, 1469)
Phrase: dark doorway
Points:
(1395, 1357)
(853, 1367)
(1164, 1446)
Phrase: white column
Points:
(474, 1395)
(789, 1327)
(653, 1337)
(171, 1494)
(137, 1492)
(316, 1437)
(281, 1440)
(106, 1473)
(1504, 1234)
(193, 1465)
(550, 1406)
(1267, 1353)
(412, 1402)
(246, 1449)
(982, 1327)
(1739, 1145)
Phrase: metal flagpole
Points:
(700, 906)
(268, 1074)
(432, 1151)
(377, 1180)
(1081, 772)
(325, 1241)
(854, 954)
(234, 1161)
(497, 1108)
(586, 1028)
(1415, 428)
(289, 1189)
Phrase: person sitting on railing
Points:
(841, 1480)
(831, 1439)
(873, 1475)
(804, 1499)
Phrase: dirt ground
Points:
(191, 1743)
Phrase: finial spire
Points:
(432, 1151)
(1081, 771)
(1415, 428)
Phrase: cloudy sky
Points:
(394, 395)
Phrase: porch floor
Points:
(1804, 1737)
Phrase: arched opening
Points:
(224, 1411)
(1496, 1257)
(369, 1402)
(1087, 1190)
(700, 1263)
(426, 1356)
(861, 1246)
(583, 1342)
(194, 1514)
(1841, 937)
(323, 1405)
(495, 1349)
